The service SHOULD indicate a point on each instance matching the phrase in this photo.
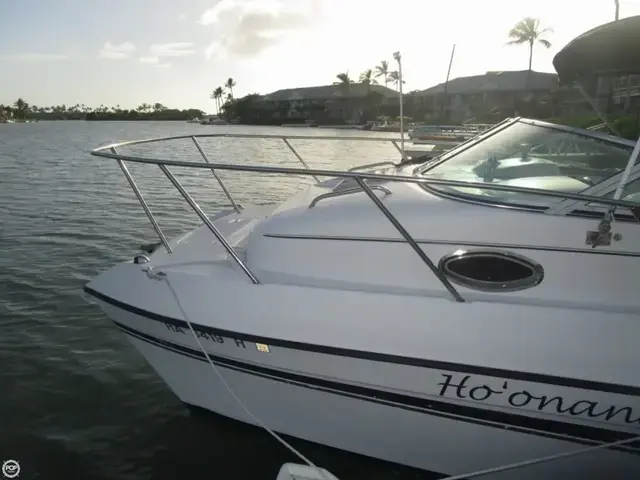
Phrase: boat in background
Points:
(194, 120)
(476, 314)
(213, 120)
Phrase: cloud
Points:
(178, 49)
(212, 15)
(35, 57)
(160, 51)
(244, 28)
(117, 52)
(155, 61)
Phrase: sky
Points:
(126, 52)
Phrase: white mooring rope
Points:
(477, 473)
(164, 276)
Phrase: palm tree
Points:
(365, 78)
(394, 77)
(21, 108)
(219, 92)
(215, 96)
(528, 31)
(345, 86)
(382, 70)
(617, 2)
(343, 79)
(230, 84)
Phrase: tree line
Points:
(21, 110)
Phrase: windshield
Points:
(532, 156)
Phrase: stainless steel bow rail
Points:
(111, 152)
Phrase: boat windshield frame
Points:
(564, 206)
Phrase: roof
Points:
(325, 92)
(611, 48)
(496, 82)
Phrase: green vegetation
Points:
(21, 110)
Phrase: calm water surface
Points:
(77, 400)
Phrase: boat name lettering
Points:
(174, 328)
(462, 387)
(204, 335)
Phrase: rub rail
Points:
(111, 152)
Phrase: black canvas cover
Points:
(612, 48)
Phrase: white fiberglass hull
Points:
(405, 376)
(388, 423)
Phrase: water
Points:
(77, 400)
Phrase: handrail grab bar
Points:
(372, 176)
(359, 178)
(346, 191)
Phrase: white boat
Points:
(194, 120)
(475, 314)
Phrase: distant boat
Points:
(193, 120)
(213, 121)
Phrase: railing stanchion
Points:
(236, 207)
(394, 221)
(395, 144)
(299, 157)
(142, 201)
(208, 223)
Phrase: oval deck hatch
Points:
(491, 270)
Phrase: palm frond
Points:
(382, 69)
(527, 30)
